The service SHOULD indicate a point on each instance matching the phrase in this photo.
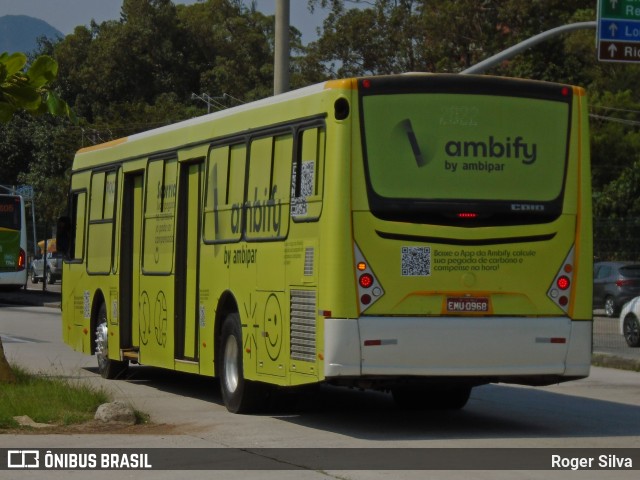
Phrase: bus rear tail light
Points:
(563, 282)
(369, 289)
(22, 260)
(365, 280)
(560, 290)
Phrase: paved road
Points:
(599, 412)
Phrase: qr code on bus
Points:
(307, 188)
(416, 261)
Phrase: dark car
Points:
(614, 284)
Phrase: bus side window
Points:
(281, 177)
(224, 193)
(263, 206)
(306, 178)
(160, 204)
(75, 250)
(101, 217)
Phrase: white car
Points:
(630, 322)
(53, 271)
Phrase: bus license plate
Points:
(468, 304)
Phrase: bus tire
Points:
(107, 367)
(431, 399)
(239, 395)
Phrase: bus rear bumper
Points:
(14, 279)
(523, 350)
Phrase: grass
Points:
(614, 361)
(47, 399)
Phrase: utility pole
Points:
(281, 64)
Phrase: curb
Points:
(31, 298)
(608, 360)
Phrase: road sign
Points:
(619, 30)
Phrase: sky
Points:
(65, 15)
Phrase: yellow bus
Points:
(421, 234)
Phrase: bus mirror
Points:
(63, 235)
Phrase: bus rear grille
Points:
(303, 325)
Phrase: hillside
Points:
(19, 33)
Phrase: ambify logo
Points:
(23, 459)
(512, 149)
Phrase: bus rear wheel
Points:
(239, 395)
(431, 399)
(107, 367)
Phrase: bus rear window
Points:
(428, 152)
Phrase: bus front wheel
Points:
(107, 367)
(239, 395)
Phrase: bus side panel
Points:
(583, 276)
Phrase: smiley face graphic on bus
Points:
(273, 326)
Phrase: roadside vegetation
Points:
(613, 361)
(47, 399)
(154, 65)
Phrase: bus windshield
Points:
(10, 217)
(496, 155)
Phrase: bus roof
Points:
(204, 119)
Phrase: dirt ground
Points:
(97, 427)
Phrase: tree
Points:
(29, 91)
(157, 49)
(361, 37)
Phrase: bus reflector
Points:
(558, 340)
